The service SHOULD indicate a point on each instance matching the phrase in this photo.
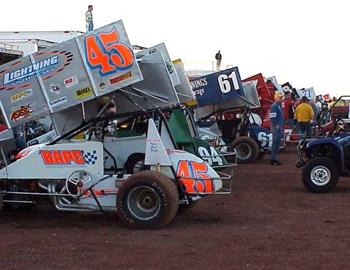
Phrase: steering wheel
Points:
(77, 184)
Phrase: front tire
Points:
(147, 200)
(320, 175)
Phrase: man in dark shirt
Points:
(218, 58)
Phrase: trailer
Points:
(29, 42)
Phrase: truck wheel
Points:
(135, 163)
(147, 200)
(320, 175)
(247, 149)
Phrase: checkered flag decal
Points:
(90, 158)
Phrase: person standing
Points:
(288, 109)
(318, 102)
(277, 121)
(304, 114)
(218, 58)
(88, 19)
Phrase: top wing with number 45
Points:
(67, 74)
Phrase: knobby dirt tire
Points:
(320, 175)
(147, 200)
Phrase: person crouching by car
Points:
(277, 121)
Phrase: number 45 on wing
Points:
(107, 54)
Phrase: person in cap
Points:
(304, 114)
(277, 121)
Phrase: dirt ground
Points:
(269, 221)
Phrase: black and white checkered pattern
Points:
(90, 158)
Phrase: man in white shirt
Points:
(88, 19)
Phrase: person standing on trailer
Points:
(218, 58)
(88, 19)
(277, 121)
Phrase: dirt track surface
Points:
(269, 221)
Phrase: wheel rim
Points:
(143, 202)
(320, 175)
(243, 151)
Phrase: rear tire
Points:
(147, 200)
(246, 148)
(320, 175)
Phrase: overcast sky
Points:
(304, 42)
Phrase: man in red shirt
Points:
(288, 109)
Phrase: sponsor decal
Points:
(25, 152)
(71, 81)
(25, 73)
(197, 86)
(21, 95)
(194, 176)
(68, 157)
(58, 101)
(33, 142)
(23, 112)
(84, 92)
(139, 56)
(55, 88)
(326, 97)
(102, 85)
(120, 78)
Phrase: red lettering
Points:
(61, 157)
(70, 80)
(78, 157)
(57, 157)
(67, 156)
(46, 156)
